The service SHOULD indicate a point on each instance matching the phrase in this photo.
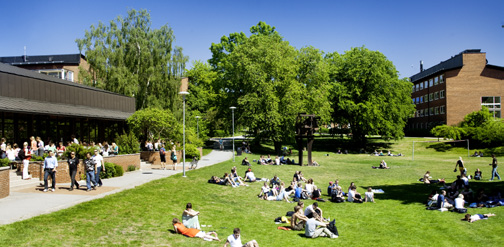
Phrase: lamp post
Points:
(183, 93)
(197, 125)
(232, 113)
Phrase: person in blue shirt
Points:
(50, 165)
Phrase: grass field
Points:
(142, 216)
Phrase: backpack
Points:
(332, 227)
(21, 154)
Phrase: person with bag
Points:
(311, 230)
(174, 156)
(162, 156)
(25, 156)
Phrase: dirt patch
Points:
(64, 189)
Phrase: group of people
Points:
(191, 227)
(312, 221)
(276, 161)
(233, 179)
(388, 153)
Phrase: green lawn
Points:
(142, 216)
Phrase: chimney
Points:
(421, 65)
(24, 54)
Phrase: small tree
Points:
(128, 143)
(448, 132)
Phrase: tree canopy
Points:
(129, 57)
(368, 94)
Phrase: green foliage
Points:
(219, 133)
(448, 132)
(368, 94)
(38, 158)
(4, 162)
(128, 143)
(155, 123)
(132, 58)
(79, 150)
(192, 151)
(111, 170)
(131, 168)
(477, 118)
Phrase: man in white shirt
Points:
(234, 240)
(100, 165)
(313, 211)
(311, 230)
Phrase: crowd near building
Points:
(39, 98)
(446, 92)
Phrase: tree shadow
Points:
(441, 147)
(418, 192)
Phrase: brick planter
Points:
(153, 156)
(4, 181)
(125, 160)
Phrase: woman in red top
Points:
(192, 232)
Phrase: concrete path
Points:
(25, 202)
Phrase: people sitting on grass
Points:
(190, 217)
(427, 179)
(468, 194)
(250, 176)
(432, 199)
(383, 165)
(369, 195)
(459, 203)
(282, 195)
(235, 178)
(313, 211)
(192, 232)
(478, 175)
(311, 230)
(245, 162)
(277, 161)
(226, 180)
(298, 219)
(298, 192)
(337, 194)
(298, 177)
(261, 160)
(353, 195)
(292, 186)
(442, 202)
(275, 181)
(265, 190)
(234, 240)
(309, 187)
(472, 218)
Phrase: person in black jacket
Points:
(73, 163)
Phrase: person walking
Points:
(50, 165)
(73, 163)
(90, 167)
(162, 156)
(100, 166)
(25, 156)
(460, 164)
(174, 156)
(494, 168)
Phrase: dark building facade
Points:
(35, 104)
(446, 92)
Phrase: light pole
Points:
(232, 113)
(183, 93)
(197, 125)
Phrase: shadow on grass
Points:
(418, 192)
(441, 147)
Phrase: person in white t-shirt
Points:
(100, 166)
(234, 240)
(369, 195)
(459, 202)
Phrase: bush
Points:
(4, 162)
(131, 168)
(220, 133)
(79, 150)
(111, 170)
(128, 143)
(192, 151)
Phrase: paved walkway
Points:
(26, 202)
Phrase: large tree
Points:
(368, 94)
(129, 57)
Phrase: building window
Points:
(421, 99)
(426, 84)
(431, 97)
(436, 95)
(493, 103)
(442, 109)
(413, 89)
(417, 87)
(421, 125)
(421, 86)
(436, 110)
(417, 100)
(431, 83)
(426, 98)
(441, 94)
(421, 113)
(436, 80)
(431, 111)
(441, 79)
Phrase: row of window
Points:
(429, 83)
(59, 73)
(430, 111)
(493, 103)
(429, 97)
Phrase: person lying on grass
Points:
(235, 179)
(192, 232)
(190, 217)
(234, 240)
(472, 218)
(427, 179)
(298, 219)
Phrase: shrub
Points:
(79, 150)
(111, 170)
(131, 168)
(128, 143)
(192, 151)
(4, 162)
(220, 133)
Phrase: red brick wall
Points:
(4, 181)
(153, 157)
(125, 160)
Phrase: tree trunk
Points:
(278, 147)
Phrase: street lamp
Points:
(183, 93)
(232, 112)
(197, 125)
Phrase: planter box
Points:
(4, 181)
(153, 157)
(125, 160)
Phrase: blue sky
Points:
(405, 31)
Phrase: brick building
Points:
(64, 66)
(446, 92)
